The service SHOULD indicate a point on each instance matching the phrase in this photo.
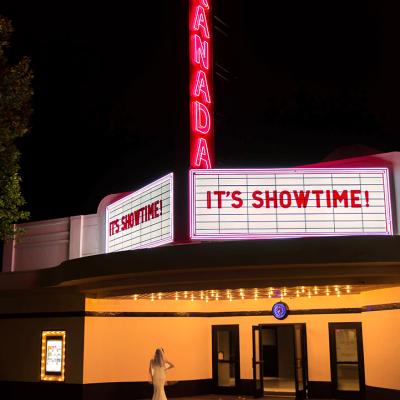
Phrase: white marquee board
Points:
(266, 203)
(142, 219)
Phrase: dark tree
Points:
(15, 111)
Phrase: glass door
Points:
(280, 360)
(300, 362)
(226, 359)
(347, 360)
(258, 378)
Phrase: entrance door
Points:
(347, 359)
(258, 377)
(280, 360)
(300, 356)
(226, 359)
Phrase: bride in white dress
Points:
(157, 369)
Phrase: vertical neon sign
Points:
(201, 98)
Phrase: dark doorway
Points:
(280, 360)
(270, 352)
(347, 360)
(226, 358)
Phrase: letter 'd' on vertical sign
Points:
(201, 93)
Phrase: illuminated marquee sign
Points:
(141, 219)
(256, 204)
(201, 101)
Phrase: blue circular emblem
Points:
(280, 310)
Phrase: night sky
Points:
(296, 82)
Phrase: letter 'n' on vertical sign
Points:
(201, 85)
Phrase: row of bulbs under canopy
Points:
(246, 294)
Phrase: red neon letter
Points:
(201, 86)
(202, 119)
(202, 156)
(205, 3)
(200, 51)
(201, 21)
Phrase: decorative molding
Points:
(353, 310)
(381, 307)
(172, 314)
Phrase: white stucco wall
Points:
(48, 243)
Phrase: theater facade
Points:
(256, 282)
(289, 285)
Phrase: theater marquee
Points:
(141, 219)
(201, 85)
(264, 203)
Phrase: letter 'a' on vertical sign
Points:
(279, 203)
(201, 85)
(143, 218)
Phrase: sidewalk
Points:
(233, 397)
(230, 397)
